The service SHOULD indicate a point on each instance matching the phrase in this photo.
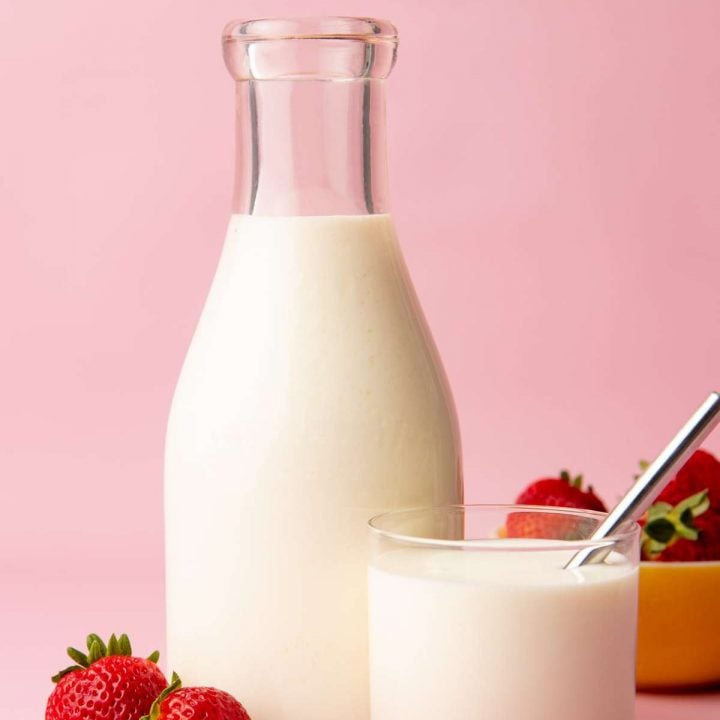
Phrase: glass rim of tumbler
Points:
(378, 525)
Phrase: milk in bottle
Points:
(311, 397)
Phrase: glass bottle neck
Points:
(310, 147)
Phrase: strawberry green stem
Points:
(97, 649)
(667, 524)
(575, 482)
(175, 684)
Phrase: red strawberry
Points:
(706, 547)
(684, 524)
(700, 472)
(106, 684)
(562, 491)
(195, 703)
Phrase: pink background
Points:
(555, 168)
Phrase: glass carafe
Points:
(312, 396)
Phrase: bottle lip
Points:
(314, 48)
(365, 29)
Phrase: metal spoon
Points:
(649, 485)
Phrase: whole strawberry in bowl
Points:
(561, 491)
(679, 623)
(564, 491)
(106, 683)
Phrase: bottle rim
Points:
(364, 29)
(314, 48)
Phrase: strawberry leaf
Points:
(644, 465)
(652, 548)
(125, 647)
(59, 676)
(174, 685)
(575, 482)
(697, 504)
(687, 531)
(658, 510)
(684, 512)
(93, 638)
(96, 652)
(79, 657)
(667, 524)
(661, 530)
(113, 647)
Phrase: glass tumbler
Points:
(473, 615)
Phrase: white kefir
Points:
(311, 399)
(463, 635)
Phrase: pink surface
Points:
(555, 169)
